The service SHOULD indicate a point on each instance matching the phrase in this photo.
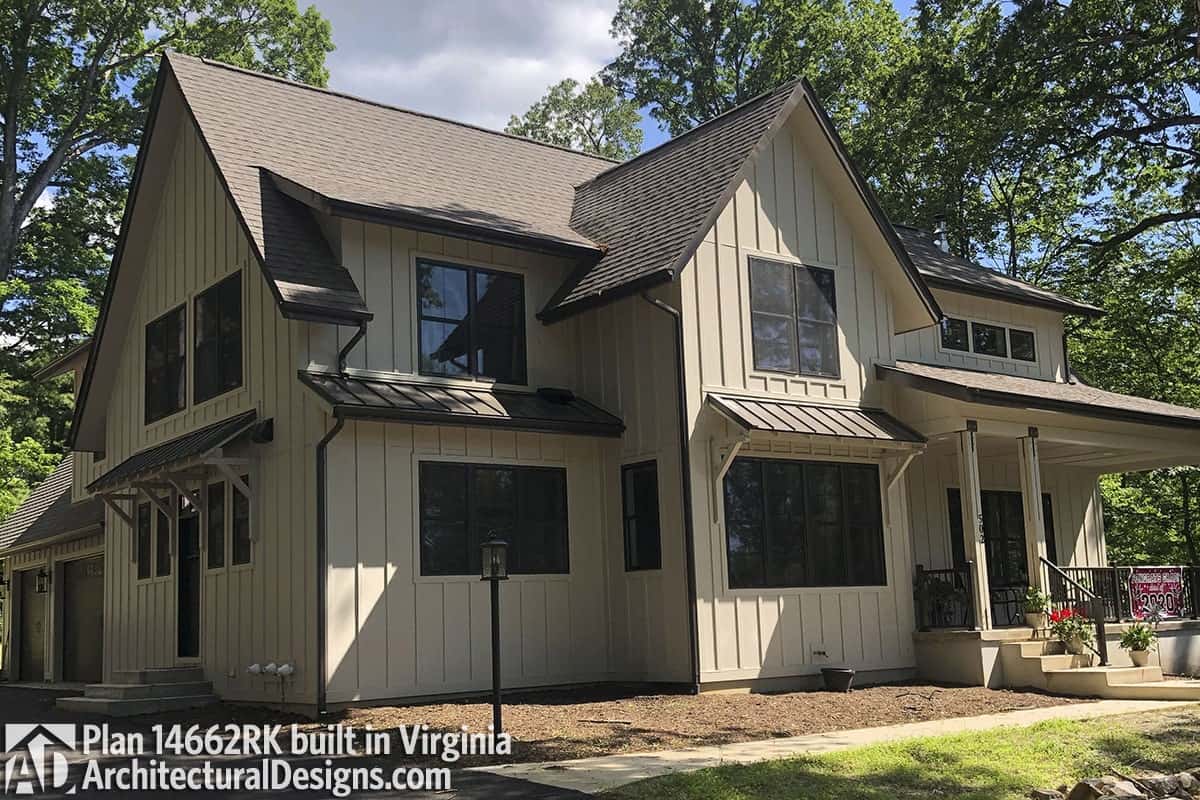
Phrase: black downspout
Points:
(322, 550)
(344, 353)
(686, 476)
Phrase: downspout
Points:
(344, 353)
(686, 477)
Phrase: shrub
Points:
(1139, 636)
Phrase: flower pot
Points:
(1075, 646)
(837, 679)
(1140, 658)
(1036, 620)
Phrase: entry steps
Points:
(144, 691)
(1044, 664)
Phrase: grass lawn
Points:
(992, 765)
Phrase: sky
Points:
(475, 61)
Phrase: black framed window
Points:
(955, 335)
(803, 523)
(243, 548)
(463, 504)
(215, 524)
(1021, 345)
(992, 500)
(162, 544)
(218, 345)
(166, 364)
(639, 498)
(143, 541)
(793, 318)
(471, 322)
(988, 340)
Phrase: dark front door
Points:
(31, 664)
(83, 620)
(189, 586)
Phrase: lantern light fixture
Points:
(41, 581)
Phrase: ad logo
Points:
(32, 761)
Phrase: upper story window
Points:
(218, 344)
(471, 322)
(793, 318)
(166, 364)
(987, 339)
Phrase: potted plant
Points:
(1072, 628)
(1139, 639)
(1036, 603)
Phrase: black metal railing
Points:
(1067, 592)
(1111, 584)
(944, 598)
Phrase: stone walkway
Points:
(594, 775)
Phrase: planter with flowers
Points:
(1139, 639)
(1072, 627)
(1036, 603)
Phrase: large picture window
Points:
(166, 364)
(471, 322)
(803, 523)
(218, 345)
(639, 497)
(462, 505)
(793, 318)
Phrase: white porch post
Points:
(972, 511)
(1031, 498)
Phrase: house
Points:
(723, 411)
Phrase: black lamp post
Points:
(494, 567)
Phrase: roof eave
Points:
(556, 313)
(1065, 306)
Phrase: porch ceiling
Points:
(1060, 448)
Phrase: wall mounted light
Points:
(41, 581)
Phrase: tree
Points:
(593, 118)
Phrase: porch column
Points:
(1031, 498)
(972, 511)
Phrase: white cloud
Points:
(472, 60)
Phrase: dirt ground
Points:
(550, 726)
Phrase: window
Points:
(218, 345)
(166, 365)
(162, 544)
(793, 318)
(143, 541)
(215, 510)
(1021, 345)
(1003, 527)
(242, 547)
(463, 504)
(803, 523)
(471, 322)
(988, 340)
(955, 335)
(639, 496)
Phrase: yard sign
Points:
(1160, 587)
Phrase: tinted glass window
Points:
(143, 541)
(1022, 345)
(988, 340)
(166, 364)
(242, 544)
(639, 496)
(218, 345)
(471, 322)
(216, 525)
(954, 335)
(793, 318)
(162, 544)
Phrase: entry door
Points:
(32, 646)
(189, 586)
(83, 620)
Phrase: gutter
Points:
(686, 478)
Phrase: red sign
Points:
(1156, 587)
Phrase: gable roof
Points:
(48, 512)
(948, 271)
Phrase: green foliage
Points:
(1036, 601)
(593, 118)
(1139, 636)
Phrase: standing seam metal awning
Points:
(778, 416)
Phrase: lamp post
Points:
(494, 568)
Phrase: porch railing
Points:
(1067, 592)
(1111, 584)
(945, 597)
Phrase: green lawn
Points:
(992, 765)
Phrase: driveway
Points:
(36, 706)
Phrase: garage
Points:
(83, 620)
(31, 630)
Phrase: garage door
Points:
(31, 635)
(83, 620)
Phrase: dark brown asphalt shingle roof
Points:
(417, 402)
(991, 388)
(48, 512)
(948, 271)
(783, 416)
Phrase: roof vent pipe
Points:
(941, 234)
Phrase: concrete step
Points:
(110, 707)
(160, 675)
(1064, 661)
(1101, 681)
(1156, 690)
(136, 691)
(1035, 648)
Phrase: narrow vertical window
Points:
(242, 545)
(639, 495)
(143, 541)
(162, 544)
(215, 511)
(166, 365)
(218, 339)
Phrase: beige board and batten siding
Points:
(786, 210)
(264, 611)
(395, 633)
(925, 345)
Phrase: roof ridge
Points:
(659, 148)
(210, 62)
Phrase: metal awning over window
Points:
(782, 416)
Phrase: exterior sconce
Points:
(41, 582)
